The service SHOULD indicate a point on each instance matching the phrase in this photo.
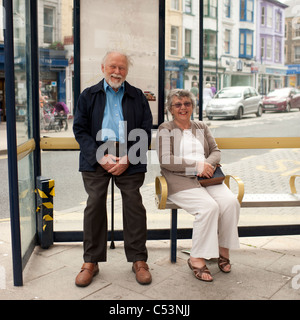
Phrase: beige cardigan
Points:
(173, 167)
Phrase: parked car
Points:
(234, 102)
(282, 100)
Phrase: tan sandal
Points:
(198, 272)
(222, 263)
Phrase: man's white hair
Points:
(128, 58)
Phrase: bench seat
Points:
(291, 199)
(270, 200)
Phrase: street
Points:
(62, 166)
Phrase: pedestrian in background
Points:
(207, 95)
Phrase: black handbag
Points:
(217, 178)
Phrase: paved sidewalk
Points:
(265, 268)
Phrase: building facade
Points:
(237, 45)
(292, 44)
(270, 49)
(243, 43)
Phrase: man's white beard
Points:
(113, 84)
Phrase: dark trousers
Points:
(95, 215)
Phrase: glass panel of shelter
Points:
(233, 56)
(23, 101)
(182, 54)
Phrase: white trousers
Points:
(216, 210)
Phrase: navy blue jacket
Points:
(88, 121)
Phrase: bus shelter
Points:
(54, 61)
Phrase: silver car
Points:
(234, 102)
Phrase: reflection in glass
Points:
(56, 57)
(22, 76)
(23, 99)
(26, 201)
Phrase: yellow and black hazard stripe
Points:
(45, 192)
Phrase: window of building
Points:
(48, 25)
(269, 48)
(262, 48)
(263, 18)
(278, 51)
(297, 53)
(227, 41)
(188, 6)
(175, 4)
(296, 27)
(278, 21)
(174, 41)
(227, 8)
(285, 30)
(210, 45)
(188, 43)
(246, 10)
(210, 8)
(269, 17)
(246, 43)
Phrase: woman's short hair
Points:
(179, 93)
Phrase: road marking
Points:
(282, 166)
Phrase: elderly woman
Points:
(186, 151)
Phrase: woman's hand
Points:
(205, 170)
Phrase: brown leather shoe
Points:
(86, 274)
(142, 274)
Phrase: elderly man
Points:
(106, 115)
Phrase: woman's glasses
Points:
(178, 105)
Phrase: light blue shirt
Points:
(112, 124)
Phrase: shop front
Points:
(53, 64)
(293, 76)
